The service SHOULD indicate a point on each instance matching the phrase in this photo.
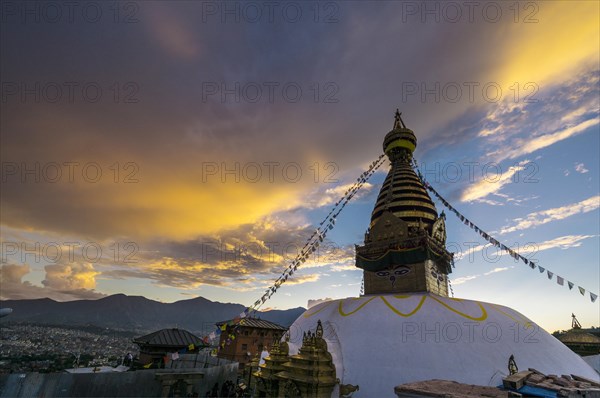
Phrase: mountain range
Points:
(135, 313)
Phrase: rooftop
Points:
(255, 323)
(170, 338)
(580, 337)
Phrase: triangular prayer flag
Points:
(550, 275)
(191, 347)
(581, 290)
(560, 280)
(175, 356)
(571, 284)
(542, 269)
(593, 297)
(166, 359)
(147, 366)
(224, 327)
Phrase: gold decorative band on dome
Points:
(526, 323)
(423, 298)
(482, 317)
(417, 308)
(401, 144)
(342, 313)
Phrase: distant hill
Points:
(135, 313)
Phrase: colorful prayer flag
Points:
(581, 290)
(593, 297)
(560, 280)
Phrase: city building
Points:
(252, 335)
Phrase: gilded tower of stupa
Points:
(404, 249)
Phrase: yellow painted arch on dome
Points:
(342, 313)
(325, 305)
(482, 317)
(525, 322)
(391, 307)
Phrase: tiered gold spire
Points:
(402, 192)
(404, 248)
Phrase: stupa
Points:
(405, 328)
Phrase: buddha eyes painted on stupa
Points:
(398, 271)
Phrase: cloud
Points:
(558, 213)
(562, 242)
(498, 269)
(70, 276)
(78, 283)
(580, 168)
(246, 258)
(187, 227)
(320, 198)
(301, 279)
(484, 187)
(530, 145)
(465, 279)
(171, 32)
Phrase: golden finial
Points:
(319, 332)
(398, 122)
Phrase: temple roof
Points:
(169, 338)
(579, 337)
(255, 323)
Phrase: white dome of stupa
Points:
(380, 341)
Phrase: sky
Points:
(182, 149)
